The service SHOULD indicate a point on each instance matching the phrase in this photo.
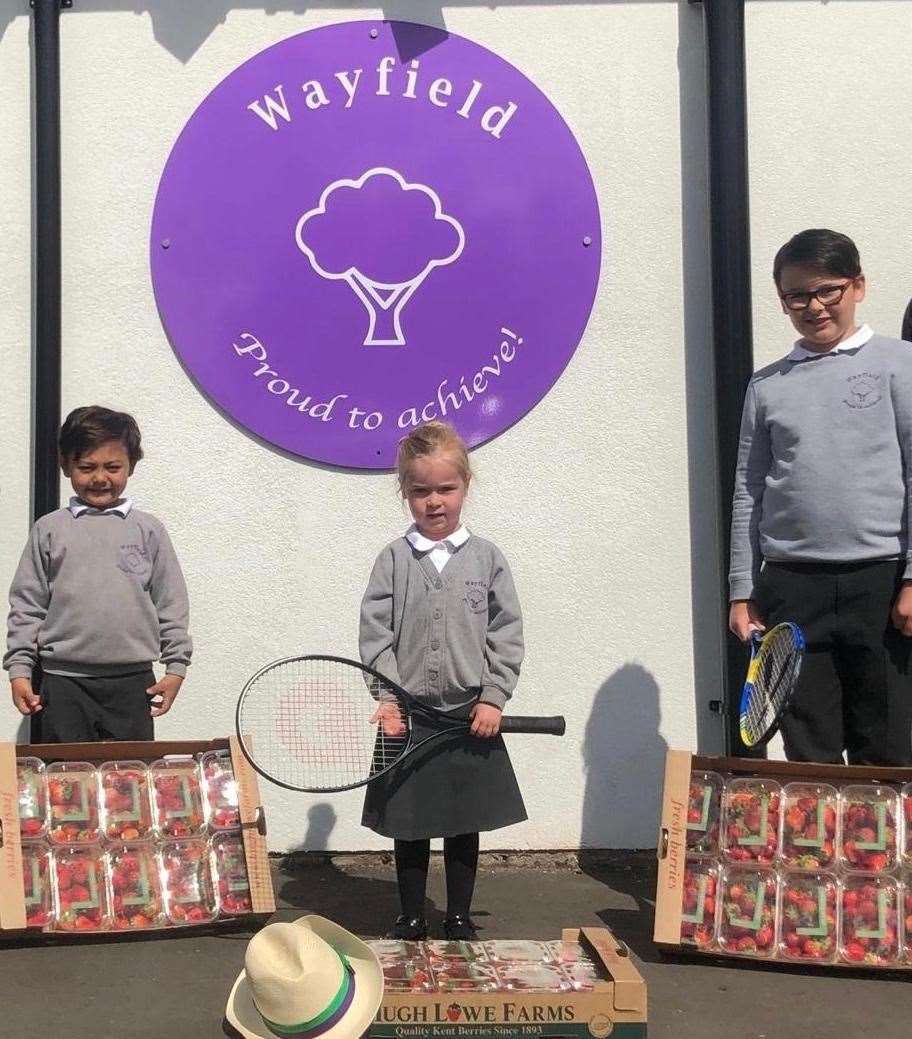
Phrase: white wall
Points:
(602, 496)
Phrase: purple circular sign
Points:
(370, 225)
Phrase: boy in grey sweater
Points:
(98, 596)
(820, 517)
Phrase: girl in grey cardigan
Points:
(441, 618)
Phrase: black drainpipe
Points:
(733, 357)
(46, 291)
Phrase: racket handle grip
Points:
(555, 726)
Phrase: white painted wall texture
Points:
(601, 497)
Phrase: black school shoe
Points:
(460, 929)
(409, 929)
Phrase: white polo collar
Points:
(856, 339)
(78, 508)
(422, 544)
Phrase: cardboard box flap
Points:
(629, 990)
(253, 831)
(12, 906)
(672, 847)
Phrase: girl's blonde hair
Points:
(428, 440)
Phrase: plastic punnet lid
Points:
(536, 977)
(73, 803)
(125, 804)
(869, 931)
(751, 820)
(502, 951)
(699, 903)
(188, 888)
(177, 798)
(748, 913)
(704, 810)
(869, 841)
(229, 869)
(810, 814)
(33, 798)
(37, 888)
(809, 907)
(221, 790)
(81, 900)
(136, 895)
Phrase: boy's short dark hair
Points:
(827, 251)
(84, 429)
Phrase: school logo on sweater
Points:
(368, 226)
(134, 559)
(865, 390)
(476, 596)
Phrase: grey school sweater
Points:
(825, 462)
(444, 637)
(98, 594)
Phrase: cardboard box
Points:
(673, 850)
(253, 828)
(616, 1007)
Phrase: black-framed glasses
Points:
(826, 296)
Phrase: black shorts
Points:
(85, 710)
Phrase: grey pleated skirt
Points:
(456, 784)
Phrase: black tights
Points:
(460, 856)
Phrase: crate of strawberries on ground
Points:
(786, 862)
(116, 837)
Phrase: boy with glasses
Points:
(820, 517)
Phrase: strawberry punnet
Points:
(73, 798)
(136, 901)
(808, 916)
(704, 806)
(189, 893)
(229, 867)
(125, 802)
(33, 798)
(81, 892)
(221, 790)
(751, 826)
(36, 885)
(907, 815)
(907, 918)
(809, 813)
(698, 907)
(868, 840)
(869, 932)
(177, 798)
(748, 923)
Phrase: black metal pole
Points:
(46, 296)
(731, 287)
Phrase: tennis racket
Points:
(307, 723)
(772, 676)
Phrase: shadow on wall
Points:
(358, 900)
(624, 762)
(182, 28)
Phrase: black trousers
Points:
(85, 710)
(855, 689)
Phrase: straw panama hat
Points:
(306, 979)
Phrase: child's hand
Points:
(390, 718)
(162, 694)
(25, 698)
(901, 614)
(485, 720)
(744, 619)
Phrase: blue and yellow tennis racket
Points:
(772, 676)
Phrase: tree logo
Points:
(383, 236)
